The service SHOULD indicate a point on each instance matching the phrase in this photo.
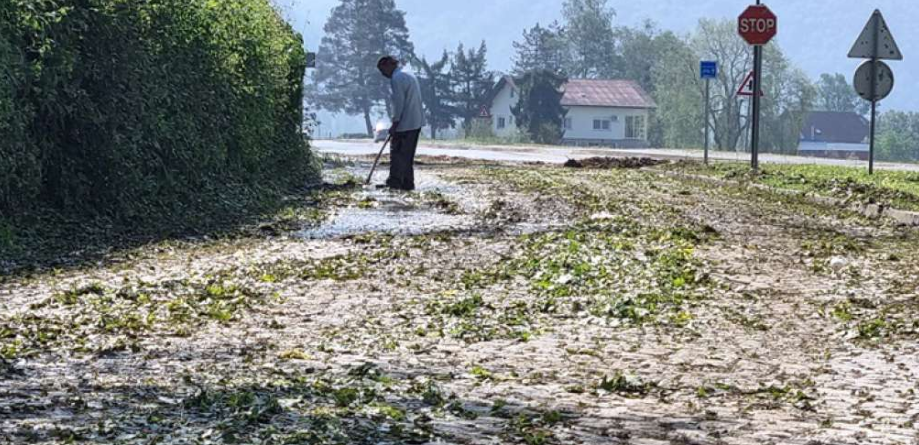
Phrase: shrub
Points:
(121, 108)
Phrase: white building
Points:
(608, 113)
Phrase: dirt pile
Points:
(608, 163)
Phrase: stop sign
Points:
(758, 25)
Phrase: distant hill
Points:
(816, 34)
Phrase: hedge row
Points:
(120, 107)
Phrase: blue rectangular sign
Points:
(709, 70)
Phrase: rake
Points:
(377, 161)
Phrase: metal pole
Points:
(874, 91)
(754, 112)
(757, 88)
(747, 145)
(708, 88)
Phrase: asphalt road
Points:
(561, 154)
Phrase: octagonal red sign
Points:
(757, 25)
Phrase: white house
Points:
(609, 113)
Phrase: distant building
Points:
(607, 113)
(828, 134)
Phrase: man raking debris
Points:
(407, 120)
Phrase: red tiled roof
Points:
(606, 93)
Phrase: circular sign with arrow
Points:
(863, 82)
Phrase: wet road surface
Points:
(558, 155)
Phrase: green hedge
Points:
(119, 108)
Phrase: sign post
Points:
(757, 25)
(708, 71)
(874, 79)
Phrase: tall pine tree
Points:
(539, 111)
(357, 34)
(471, 82)
(436, 93)
(542, 48)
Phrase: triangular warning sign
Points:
(484, 113)
(746, 88)
(876, 36)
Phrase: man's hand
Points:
(392, 130)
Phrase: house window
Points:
(502, 123)
(512, 93)
(634, 127)
(568, 124)
(602, 124)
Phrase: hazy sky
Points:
(816, 34)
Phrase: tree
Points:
(471, 82)
(898, 136)
(790, 95)
(542, 48)
(665, 66)
(436, 92)
(357, 34)
(834, 93)
(718, 40)
(539, 111)
(591, 37)
(678, 92)
(639, 53)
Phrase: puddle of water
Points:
(399, 213)
(393, 212)
(355, 221)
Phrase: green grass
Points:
(97, 319)
(618, 268)
(898, 189)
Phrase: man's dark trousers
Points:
(402, 159)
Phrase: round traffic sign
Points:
(862, 81)
(757, 25)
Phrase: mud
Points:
(639, 309)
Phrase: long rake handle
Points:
(377, 161)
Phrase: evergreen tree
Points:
(539, 111)
(592, 39)
(542, 48)
(436, 92)
(358, 33)
(471, 82)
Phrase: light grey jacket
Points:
(406, 102)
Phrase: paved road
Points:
(562, 154)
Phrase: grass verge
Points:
(897, 189)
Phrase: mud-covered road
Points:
(498, 304)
